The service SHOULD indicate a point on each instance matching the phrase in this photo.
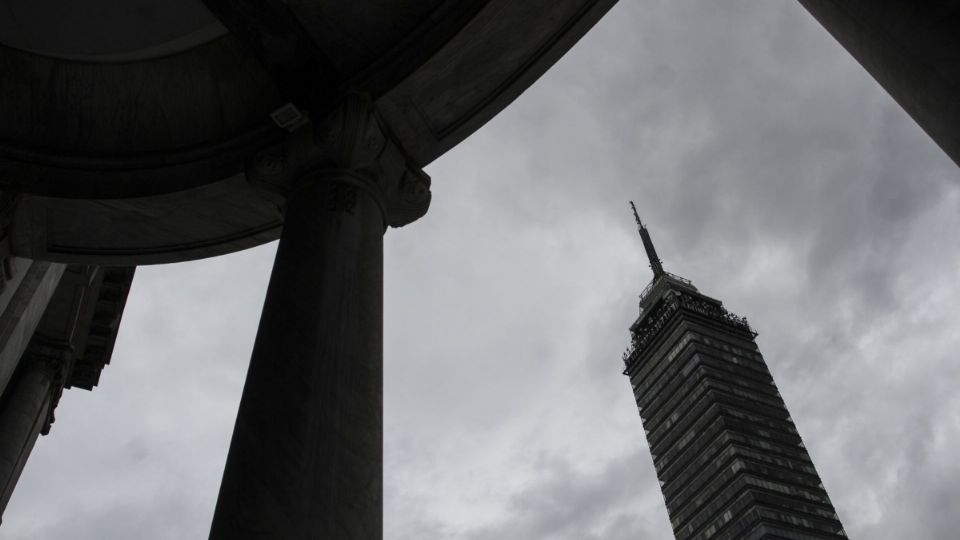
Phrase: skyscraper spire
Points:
(655, 264)
(728, 457)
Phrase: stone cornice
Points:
(354, 146)
(110, 303)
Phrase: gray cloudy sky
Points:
(773, 172)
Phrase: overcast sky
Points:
(771, 170)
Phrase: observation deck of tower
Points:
(728, 457)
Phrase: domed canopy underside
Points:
(107, 30)
(128, 127)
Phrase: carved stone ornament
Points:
(55, 363)
(351, 146)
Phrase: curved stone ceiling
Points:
(131, 133)
(106, 30)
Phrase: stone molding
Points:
(353, 147)
(55, 362)
(104, 325)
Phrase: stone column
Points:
(306, 456)
(23, 301)
(26, 413)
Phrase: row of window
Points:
(749, 372)
(654, 360)
(703, 465)
(753, 361)
(683, 457)
(765, 530)
(784, 517)
(708, 390)
(733, 490)
(761, 420)
(720, 344)
(770, 416)
(753, 525)
(715, 474)
(794, 465)
(771, 400)
(760, 435)
(724, 489)
(748, 508)
(653, 385)
(818, 496)
(679, 406)
(718, 513)
(650, 331)
(701, 367)
(653, 357)
(692, 479)
(722, 350)
(802, 482)
(704, 429)
(647, 393)
(677, 384)
(781, 443)
(677, 473)
(792, 505)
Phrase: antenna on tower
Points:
(655, 263)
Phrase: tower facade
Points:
(730, 462)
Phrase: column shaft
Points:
(305, 460)
(22, 305)
(22, 416)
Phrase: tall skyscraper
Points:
(730, 462)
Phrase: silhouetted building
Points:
(58, 326)
(730, 462)
(184, 129)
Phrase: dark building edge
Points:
(729, 460)
(72, 342)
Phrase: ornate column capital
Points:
(353, 145)
(55, 363)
